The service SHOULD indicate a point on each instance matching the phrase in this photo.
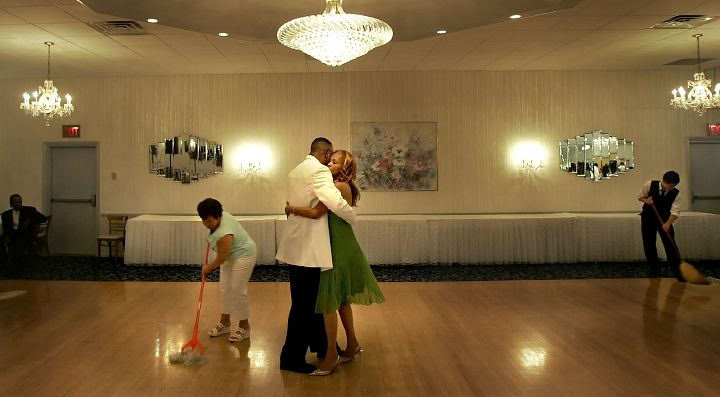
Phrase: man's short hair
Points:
(209, 207)
(671, 177)
(13, 196)
(320, 144)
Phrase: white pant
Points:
(234, 278)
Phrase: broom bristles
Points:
(692, 274)
(189, 359)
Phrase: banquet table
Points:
(445, 239)
(181, 239)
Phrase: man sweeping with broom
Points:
(663, 196)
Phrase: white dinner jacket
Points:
(306, 242)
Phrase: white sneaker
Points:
(240, 335)
(219, 329)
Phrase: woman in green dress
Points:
(350, 280)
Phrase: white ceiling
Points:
(258, 21)
(593, 35)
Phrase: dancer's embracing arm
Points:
(320, 209)
(329, 195)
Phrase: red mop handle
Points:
(667, 233)
(194, 341)
(202, 287)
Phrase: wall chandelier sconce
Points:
(529, 157)
(531, 165)
(250, 167)
(252, 160)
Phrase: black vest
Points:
(662, 203)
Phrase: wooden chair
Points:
(115, 237)
(41, 238)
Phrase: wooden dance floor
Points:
(624, 337)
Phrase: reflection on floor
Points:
(610, 337)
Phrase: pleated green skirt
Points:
(351, 280)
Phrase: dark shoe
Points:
(654, 270)
(301, 368)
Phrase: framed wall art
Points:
(395, 156)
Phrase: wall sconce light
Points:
(529, 157)
(530, 165)
(250, 167)
(252, 160)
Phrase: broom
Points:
(192, 354)
(688, 271)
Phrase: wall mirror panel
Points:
(185, 158)
(596, 156)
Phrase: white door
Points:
(74, 225)
(704, 175)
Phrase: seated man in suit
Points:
(20, 225)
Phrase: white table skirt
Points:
(445, 239)
(520, 238)
(388, 239)
(562, 238)
(181, 240)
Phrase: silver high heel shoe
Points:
(325, 372)
(343, 359)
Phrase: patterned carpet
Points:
(104, 269)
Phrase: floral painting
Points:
(395, 156)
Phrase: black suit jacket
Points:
(30, 218)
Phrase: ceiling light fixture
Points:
(223, 34)
(334, 38)
(700, 97)
(152, 20)
(46, 101)
(441, 31)
(516, 16)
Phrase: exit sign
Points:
(71, 131)
(714, 129)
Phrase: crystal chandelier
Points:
(700, 98)
(46, 101)
(335, 37)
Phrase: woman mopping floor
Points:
(236, 253)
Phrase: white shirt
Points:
(674, 209)
(16, 219)
(306, 242)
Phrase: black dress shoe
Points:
(301, 368)
(654, 271)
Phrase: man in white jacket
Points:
(305, 246)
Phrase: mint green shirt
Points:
(242, 246)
